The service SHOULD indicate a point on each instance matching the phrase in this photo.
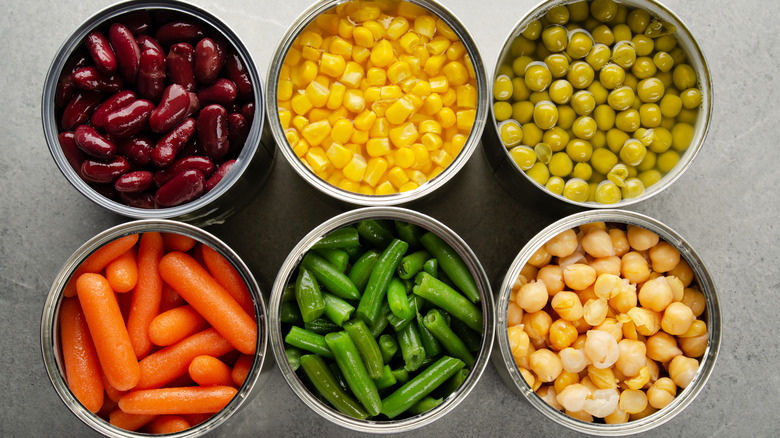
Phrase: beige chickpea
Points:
(618, 416)
(537, 324)
(634, 267)
(661, 393)
(641, 239)
(581, 325)
(573, 397)
(562, 244)
(597, 243)
(532, 297)
(677, 319)
(578, 276)
(567, 305)
(611, 326)
(540, 257)
(518, 340)
(697, 328)
(528, 377)
(514, 314)
(647, 321)
(633, 401)
(587, 294)
(603, 378)
(579, 343)
(654, 369)
(602, 402)
(655, 294)
(663, 257)
(695, 300)
(552, 276)
(561, 335)
(619, 241)
(545, 364)
(626, 299)
(682, 370)
(573, 360)
(641, 379)
(601, 348)
(565, 379)
(586, 228)
(550, 396)
(683, 271)
(585, 381)
(662, 347)
(646, 412)
(580, 415)
(694, 346)
(522, 361)
(607, 286)
(629, 328)
(595, 311)
(632, 357)
(528, 272)
(678, 289)
(607, 265)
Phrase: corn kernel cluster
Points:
(596, 101)
(603, 323)
(377, 97)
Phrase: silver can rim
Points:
(50, 125)
(706, 285)
(701, 67)
(488, 328)
(50, 349)
(359, 199)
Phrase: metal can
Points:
(286, 274)
(521, 186)
(252, 166)
(352, 198)
(50, 336)
(505, 362)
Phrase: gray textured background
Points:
(725, 206)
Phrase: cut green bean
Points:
(412, 264)
(421, 385)
(346, 237)
(448, 299)
(360, 271)
(424, 405)
(324, 382)
(410, 233)
(354, 371)
(353, 252)
(289, 313)
(415, 304)
(335, 281)
(289, 292)
(308, 295)
(337, 309)
(321, 326)
(452, 265)
(452, 384)
(367, 347)
(430, 343)
(371, 301)
(381, 322)
(397, 299)
(401, 375)
(374, 233)
(293, 357)
(411, 347)
(472, 339)
(388, 346)
(334, 368)
(431, 266)
(434, 322)
(386, 380)
(309, 341)
(337, 257)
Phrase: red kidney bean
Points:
(147, 42)
(128, 54)
(213, 131)
(113, 103)
(222, 170)
(180, 64)
(138, 21)
(151, 74)
(222, 91)
(194, 104)
(171, 110)
(237, 72)
(191, 148)
(179, 31)
(89, 140)
(183, 187)
(169, 145)
(92, 79)
(73, 154)
(135, 181)
(104, 172)
(101, 52)
(80, 108)
(105, 189)
(65, 86)
(248, 110)
(129, 120)
(137, 149)
(200, 163)
(138, 200)
(209, 59)
(238, 131)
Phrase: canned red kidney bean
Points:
(153, 108)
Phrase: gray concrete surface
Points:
(725, 206)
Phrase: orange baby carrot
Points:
(108, 407)
(108, 330)
(122, 272)
(210, 371)
(196, 419)
(167, 401)
(170, 298)
(168, 424)
(178, 242)
(162, 366)
(112, 393)
(82, 367)
(229, 278)
(126, 421)
(176, 324)
(241, 369)
(211, 300)
(147, 294)
(99, 260)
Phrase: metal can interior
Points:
(520, 185)
(351, 198)
(504, 361)
(241, 183)
(50, 338)
(277, 337)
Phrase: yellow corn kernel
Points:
(355, 169)
(404, 135)
(354, 101)
(436, 170)
(317, 159)
(360, 54)
(336, 97)
(336, 115)
(310, 38)
(301, 104)
(353, 73)
(319, 114)
(316, 132)
(431, 126)
(456, 73)
(382, 53)
(376, 76)
(348, 185)
(466, 96)
(363, 11)
(376, 147)
(409, 186)
(284, 90)
(354, 148)
(446, 117)
(284, 104)
(434, 64)
(338, 155)
(421, 155)
(449, 97)
(323, 80)
(399, 111)
(397, 177)
(380, 107)
(359, 136)
(455, 51)
(416, 177)
(413, 62)
(375, 171)
(305, 73)
(284, 117)
(469, 66)
(438, 45)
(431, 141)
(342, 131)
(311, 53)
(317, 94)
(465, 119)
(442, 158)
(407, 84)
(439, 84)
(456, 144)
(365, 120)
(293, 57)
(386, 188)
(422, 88)
(421, 53)
(329, 23)
(300, 122)
(372, 94)
(380, 127)
(363, 37)
(332, 65)
(398, 71)
(341, 47)
(409, 41)
(404, 157)
(397, 28)
(425, 25)
(335, 178)
(445, 30)
(390, 92)
(345, 28)
(376, 28)
(301, 148)
(432, 104)
(292, 136)
(366, 189)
